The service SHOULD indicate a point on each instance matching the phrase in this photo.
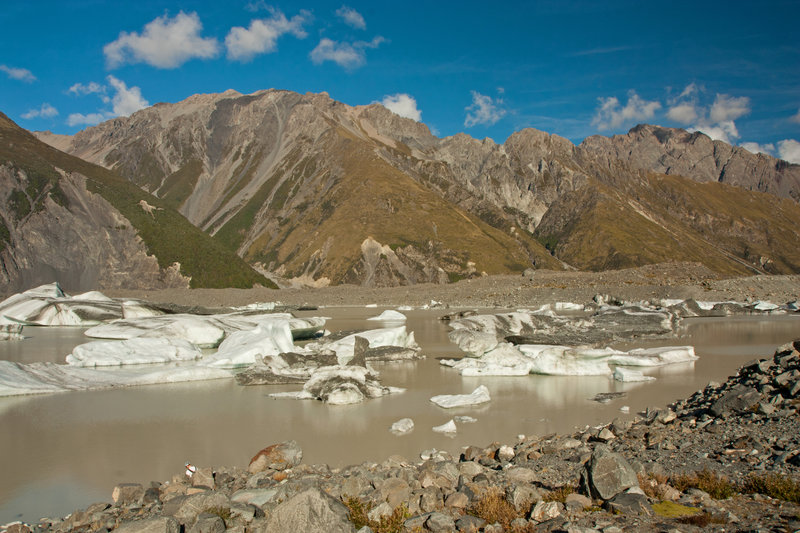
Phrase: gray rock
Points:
(276, 457)
(395, 491)
(257, 497)
(127, 493)
(162, 524)
(207, 523)
(469, 524)
(430, 499)
(457, 499)
(577, 502)
(544, 511)
(204, 477)
(737, 399)
(384, 509)
(185, 509)
(520, 474)
(608, 473)
(311, 511)
(630, 503)
(440, 522)
(522, 497)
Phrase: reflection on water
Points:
(64, 451)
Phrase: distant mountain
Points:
(321, 192)
(63, 219)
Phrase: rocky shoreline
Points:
(725, 459)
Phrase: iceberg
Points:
(476, 397)
(340, 385)
(628, 375)
(11, 332)
(243, 348)
(448, 427)
(567, 361)
(345, 347)
(137, 351)
(665, 355)
(402, 426)
(504, 360)
(41, 378)
(389, 316)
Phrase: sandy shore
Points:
(668, 280)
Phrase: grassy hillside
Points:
(165, 233)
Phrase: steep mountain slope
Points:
(305, 186)
(326, 193)
(64, 219)
(694, 155)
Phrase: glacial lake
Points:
(62, 452)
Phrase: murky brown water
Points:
(64, 451)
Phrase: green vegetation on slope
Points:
(179, 185)
(166, 234)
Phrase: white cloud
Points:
(21, 74)
(795, 118)
(683, 113)
(164, 43)
(402, 104)
(262, 35)
(789, 150)
(756, 148)
(91, 119)
(126, 100)
(484, 110)
(89, 88)
(45, 111)
(347, 55)
(611, 114)
(725, 131)
(726, 107)
(351, 17)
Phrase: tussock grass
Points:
(774, 486)
(493, 507)
(717, 486)
(359, 516)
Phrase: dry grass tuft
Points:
(493, 507)
(359, 516)
(774, 486)
(717, 486)
(559, 495)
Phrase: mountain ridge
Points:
(278, 177)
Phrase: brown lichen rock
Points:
(276, 457)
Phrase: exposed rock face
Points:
(323, 193)
(82, 241)
(696, 156)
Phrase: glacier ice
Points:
(136, 351)
(476, 397)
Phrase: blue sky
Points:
(730, 69)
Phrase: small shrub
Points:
(718, 487)
(653, 485)
(701, 520)
(222, 512)
(774, 486)
(493, 507)
(559, 495)
(359, 516)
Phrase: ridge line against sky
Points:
(730, 70)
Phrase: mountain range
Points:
(310, 190)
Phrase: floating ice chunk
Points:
(625, 409)
(341, 385)
(447, 427)
(504, 360)
(474, 343)
(628, 375)
(92, 296)
(40, 378)
(402, 426)
(256, 306)
(765, 306)
(11, 332)
(405, 308)
(49, 306)
(136, 351)
(566, 361)
(389, 316)
(568, 306)
(476, 397)
(371, 306)
(243, 348)
(345, 347)
(138, 309)
(464, 419)
(665, 355)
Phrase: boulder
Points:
(395, 491)
(185, 509)
(544, 511)
(440, 522)
(311, 511)
(162, 524)
(630, 503)
(608, 473)
(207, 523)
(276, 457)
(737, 399)
(127, 493)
